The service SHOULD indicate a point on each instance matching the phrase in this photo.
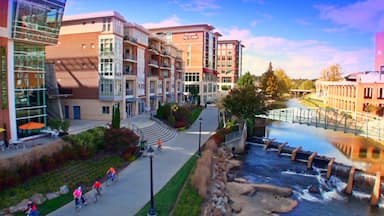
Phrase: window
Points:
(226, 79)
(105, 109)
(106, 45)
(83, 46)
(367, 92)
(380, 93)
(92, 45)
(106, 67)
(229, 46)
(192, 77)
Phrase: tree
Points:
(116, 116)
(283, 81)
(307, 85)
(244, 102)
(269, 82)
(331, 73)
(246, 80)
(194, 91)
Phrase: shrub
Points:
(180, 124)
(202, 175)
(120, 139)
(183, 114)
(181, 129)
(171, 120)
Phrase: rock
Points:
(37, 198)
(274, 203)
(241, 180)
(233, 163)
(52, 195)
(64, 189)
(216, 212)
(282, 191)
(19, 207)
(313, 189)
(236, 207)
(237, 188)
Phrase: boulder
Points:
(236, 207)
(233, 163)
(22, 206)
(52, 195)
(241, 180)
(282, 191)
(238, 188)
(273, 203)
(64, 189)
(38, 198)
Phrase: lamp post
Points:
(152, 211)
(200, 119)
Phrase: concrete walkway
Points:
(130, 194)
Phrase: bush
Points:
(120, 139)
(180, 124)
(171, 120)
(183, 114)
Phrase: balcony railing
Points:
(153, 62)
(128, 71)
(129, 57)
(129, 92)
(130, 38)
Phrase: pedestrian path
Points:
(131, 193)
(152, 133)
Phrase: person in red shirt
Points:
(32, 209)
(159, 144)
(111, 173)
(97, 187)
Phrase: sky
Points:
(302, 37)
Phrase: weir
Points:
(356, 179)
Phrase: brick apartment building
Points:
(102, 60)
(26, 27)
(199, 44)
(229, 63)
(358, 92)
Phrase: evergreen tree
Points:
(116, 116)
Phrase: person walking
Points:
(159, 144)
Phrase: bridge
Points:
(362, 124)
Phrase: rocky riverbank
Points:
(227, 195)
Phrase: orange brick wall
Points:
(69, 57)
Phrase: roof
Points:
(93, 15)
(183, 27)
(136, 26)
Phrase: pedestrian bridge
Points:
(361, 124)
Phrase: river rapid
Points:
(316, 194)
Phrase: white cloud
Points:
(171, 21)
(362, 15)
(299, 58)
(197, 5)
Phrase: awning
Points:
(31, 126)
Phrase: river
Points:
(267, 167)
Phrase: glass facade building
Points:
(35, 24)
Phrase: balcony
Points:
(153, 63)
(131, 40)
(165, 66)
(129, 71)
(130, 58)
(153, 48)
(129, 92)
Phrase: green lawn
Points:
(195, 114)
(189, 203)
(309, 102)
(72, 174)
(165, 199)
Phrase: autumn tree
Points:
(246, 80)
(284, 82)
(331, 73)
(307, 85)
(269, 82)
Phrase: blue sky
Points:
(300, 36)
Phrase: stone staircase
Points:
(155, 131)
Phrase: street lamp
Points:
(151, 153)
(200, 119)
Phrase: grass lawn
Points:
(195, 114)
(72, 174)
(165, 199)
(51, 205)
(309, 102)
(189, 203)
